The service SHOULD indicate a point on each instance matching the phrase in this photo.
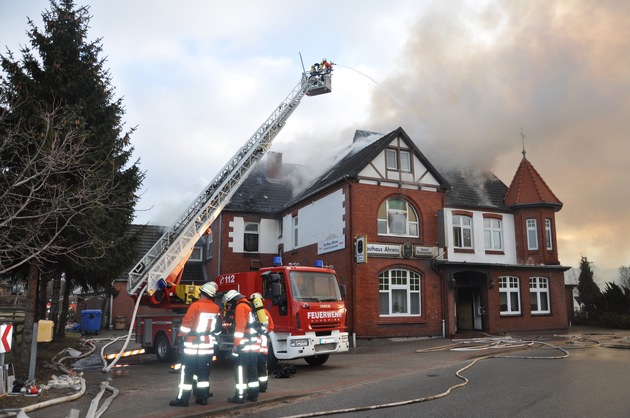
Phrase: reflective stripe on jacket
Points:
(200, 327)
(246, 336)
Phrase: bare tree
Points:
(37, 201)
(624, 277)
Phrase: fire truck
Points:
(306, 306)
(155, 280)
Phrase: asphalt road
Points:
(399, 378)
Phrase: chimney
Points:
(274, 164)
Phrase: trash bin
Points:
(91, 321)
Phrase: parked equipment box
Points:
(91, 320)
(45, 330)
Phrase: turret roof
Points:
(529, 189)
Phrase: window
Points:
(548, 234)
(405, 161)
(196, 254)
(250, 240)
(509, 295)
(462, 231)
(532, 235)
(493, 233)
(398, 159)
(295, 231)
(392, 159)
(397, 217)
(539, 295)
(399, 292)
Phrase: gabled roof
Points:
(148, 235)
(356, 158)
(259, 194)
(529, 189)
(475, 189)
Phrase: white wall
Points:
(480, 256)
(320, 220)
(267, 239)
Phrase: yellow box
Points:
(45, 330)
(187, 293)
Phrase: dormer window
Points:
(398, 159)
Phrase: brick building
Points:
(421, 252)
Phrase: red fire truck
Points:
(306, 306)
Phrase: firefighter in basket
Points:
(196, 339)
(265, 326)
(245, 349)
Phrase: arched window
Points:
(397, 217)
(399, 292)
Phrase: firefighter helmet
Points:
(231, 295)
(209, 289)
(255, 296)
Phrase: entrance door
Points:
(464, 309)
(469, 309)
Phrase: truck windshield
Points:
(313, 286)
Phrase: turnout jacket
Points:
(246, 336)
(200, 327)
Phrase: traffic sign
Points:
(6, 335)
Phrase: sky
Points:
(463, 78)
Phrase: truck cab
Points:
(307, 308)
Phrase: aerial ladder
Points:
(161, 268)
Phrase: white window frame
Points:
(249, 230)
(509, 295)
(295, 222)
(493, 233)
(196, 254)
(532, 234)
(539, 295)
(461, 225)
(400, 293)
(548, 234)
(391, 159)
(384, 225)
(405, 161)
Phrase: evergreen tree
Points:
(62, 75)
(616, 300)
(590, 297)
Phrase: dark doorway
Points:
(470, 311)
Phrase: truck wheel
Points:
(317, 360)
(163, 350)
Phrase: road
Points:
(591, 381)
(588, 383)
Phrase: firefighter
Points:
(245, 349)
(263, 356)
(196, 338)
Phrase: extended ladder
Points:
(175, 246)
